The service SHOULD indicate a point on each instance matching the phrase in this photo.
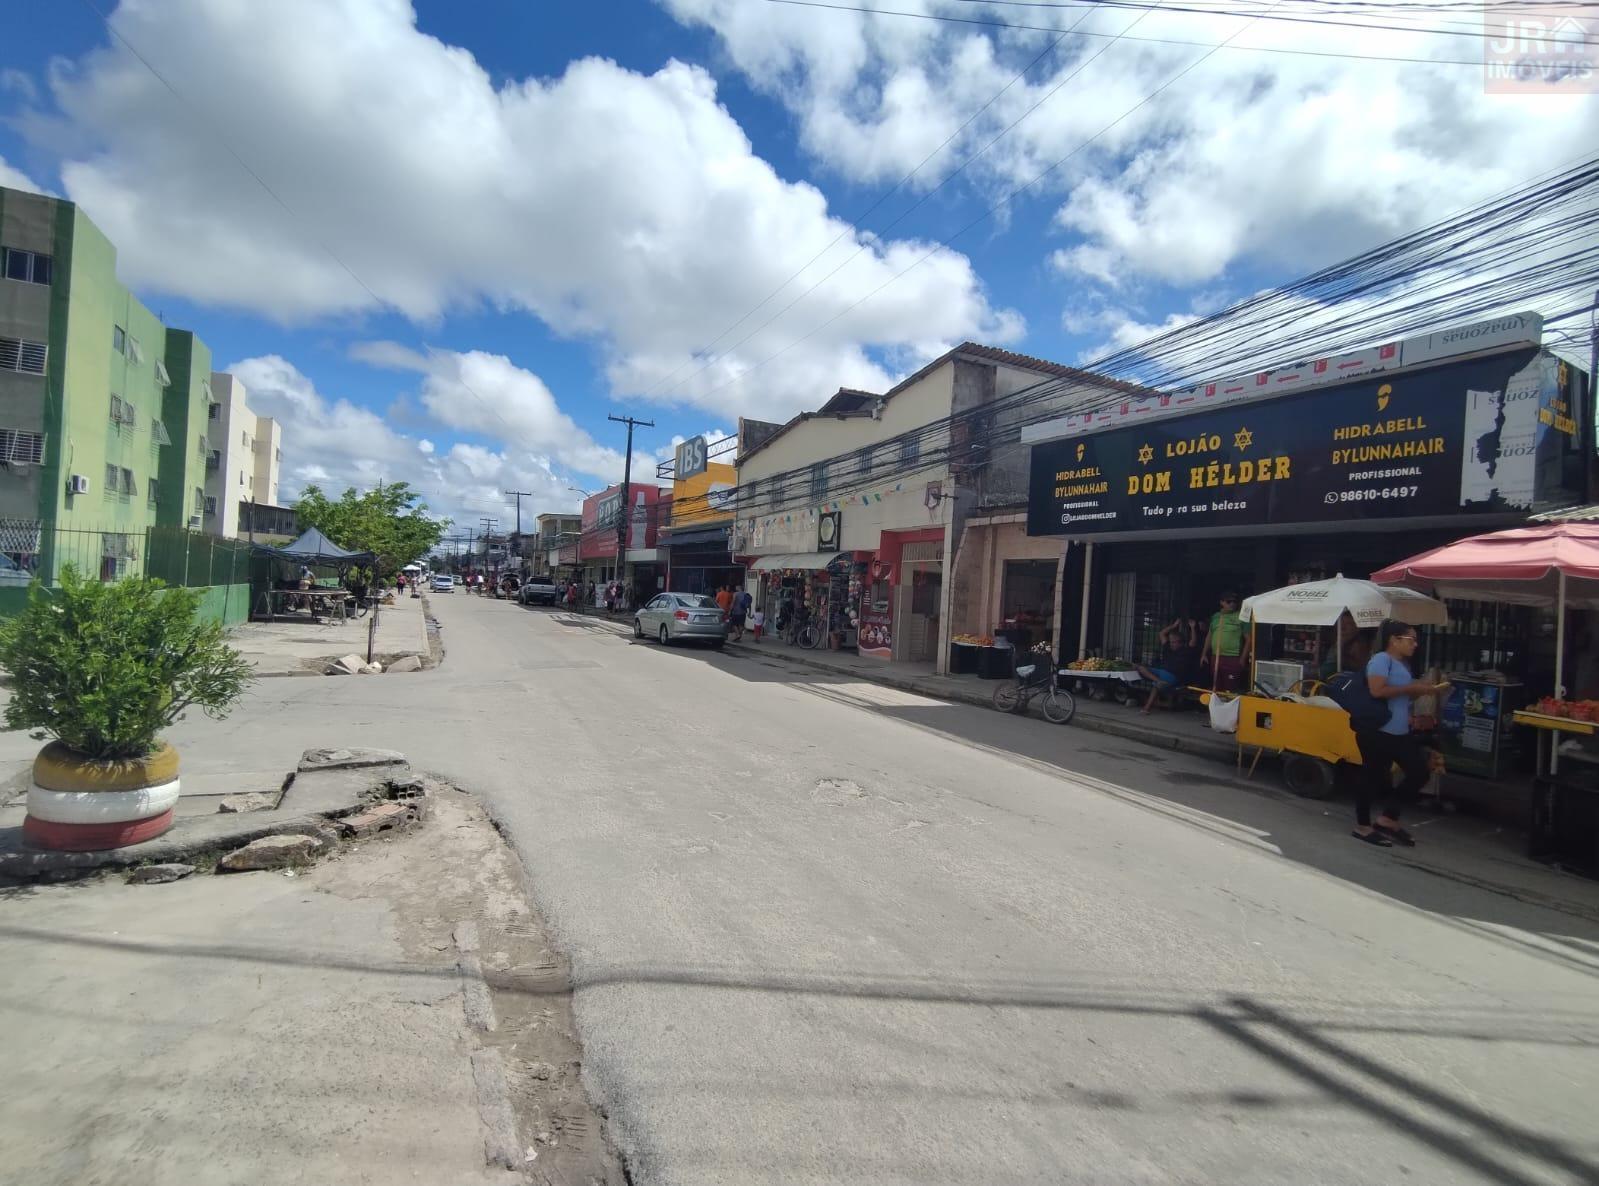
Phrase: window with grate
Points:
(119, 339)
(19, 354)
(113, 480)
(161, 375)
(159, 434)
(21, 448)
(31, 267)
(910, 452)
(819, 481)
(212, 411)
(153, 489)
(129, 486)
(199, 500)
(116, 409)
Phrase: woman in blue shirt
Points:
(1388, 679)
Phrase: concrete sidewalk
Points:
(300, 646)
(332, 1024)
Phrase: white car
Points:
(443, 583)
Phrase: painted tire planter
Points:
(79, 804)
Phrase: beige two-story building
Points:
(863, 510)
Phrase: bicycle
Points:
(1036, 679)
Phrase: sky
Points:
(444, 242)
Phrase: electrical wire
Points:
(1264, 49)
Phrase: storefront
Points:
(1006, 583)
(698, 561)
(1165, 516)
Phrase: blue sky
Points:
(553, 207)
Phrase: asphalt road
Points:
(824, 931)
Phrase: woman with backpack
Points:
(1385, 743)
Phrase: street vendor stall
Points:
(1309, 732)
(1552, 566)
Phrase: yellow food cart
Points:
(1307, 731)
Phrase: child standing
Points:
(759, 621)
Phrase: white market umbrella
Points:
(1323, 603)
(412, 568)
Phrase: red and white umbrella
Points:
(1547, 564)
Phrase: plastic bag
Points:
(1223, 714)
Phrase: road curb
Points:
(196, 836)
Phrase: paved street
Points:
(824, 931)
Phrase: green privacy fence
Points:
(192, 559)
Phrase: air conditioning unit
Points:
(194, 522)
(77, 484)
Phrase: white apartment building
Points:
(246, 453)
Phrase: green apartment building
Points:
(103, 409)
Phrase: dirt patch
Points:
(457, 868)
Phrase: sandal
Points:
(1376, 838)
(1398, 836)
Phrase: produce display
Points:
(1100, 665)
(1573, 710)
(973, 640)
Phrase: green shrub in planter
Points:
(105, 667)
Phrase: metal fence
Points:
(176, 555)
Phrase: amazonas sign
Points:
(1479, 436)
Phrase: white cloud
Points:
(489, 394)
(1285, 161)
(621, 207)
(334, 444)
(14, 178)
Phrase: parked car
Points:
(12, 573)
(538, 591)
(680, 617)
(459, 579)
(444, 583)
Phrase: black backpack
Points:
(1349, 690)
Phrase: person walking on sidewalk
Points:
(1389, 681)
(724, 601)
(739, 612)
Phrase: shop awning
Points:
(810, 561)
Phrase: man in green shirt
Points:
(1226, 645)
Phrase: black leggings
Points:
(1379, 753)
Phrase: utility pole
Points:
(519, 495)
(624, 521)
(1586, 437)
(488, 542)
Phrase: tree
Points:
(391, 521)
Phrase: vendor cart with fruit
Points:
(1102, 679)
(1309, 732)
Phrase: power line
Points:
(1003, 201)
(1262, 49)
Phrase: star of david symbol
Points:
(1243, 438)
(1146, 454)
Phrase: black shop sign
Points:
(1490, 435)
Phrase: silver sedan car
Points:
(680, 617)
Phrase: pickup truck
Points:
(537, 591)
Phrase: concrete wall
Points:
(978, 584)
(231, 431)
(28, 222)
(868, 507)
(183, 470)
(228, 604)
(268, 460)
